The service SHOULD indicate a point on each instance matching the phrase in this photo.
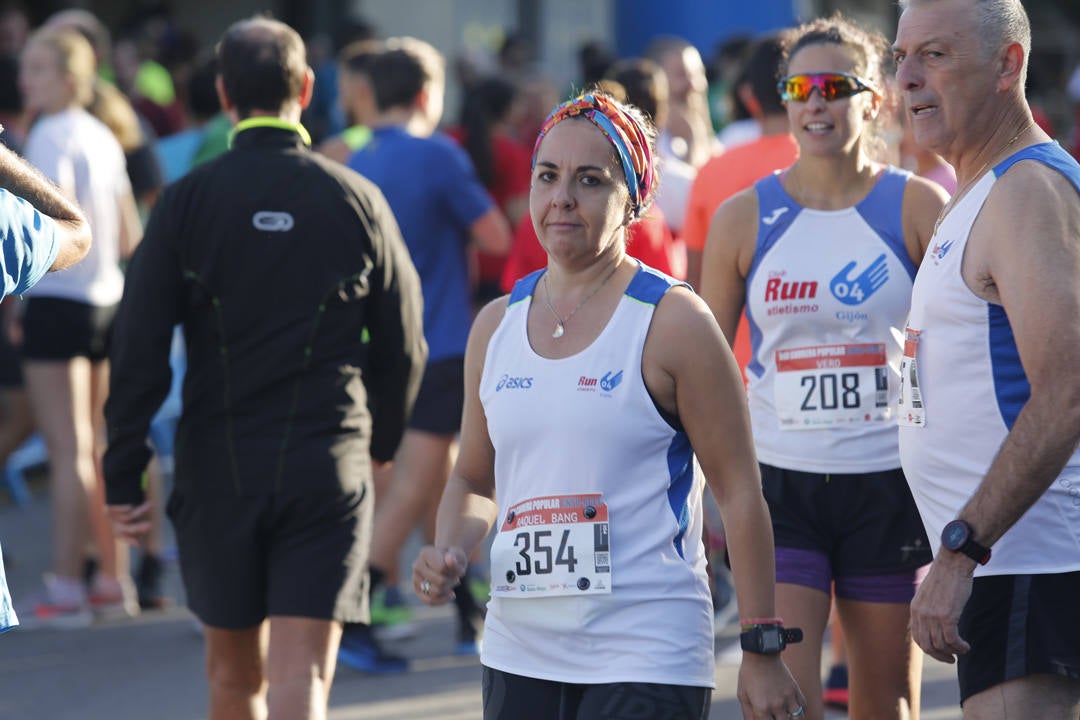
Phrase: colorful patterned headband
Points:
(622, 130)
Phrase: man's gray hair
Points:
(999, 23)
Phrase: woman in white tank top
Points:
(822, 256)
(589, 390)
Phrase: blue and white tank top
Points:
(826, 297)
(971, 387)
(616, 589)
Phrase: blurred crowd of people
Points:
(113, 117)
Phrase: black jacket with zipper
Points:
(301, 313)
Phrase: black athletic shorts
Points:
(59, 329)
(244, 558)
(441, 398)
(1019, 625)
(840, 526)
(514, 697)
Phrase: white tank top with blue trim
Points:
(826, 298)
(971, 387)
(598, 569)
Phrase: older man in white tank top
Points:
(990, 406)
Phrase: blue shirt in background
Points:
(436, 196)
(177, 151)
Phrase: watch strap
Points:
(975, 551)
(768, 638)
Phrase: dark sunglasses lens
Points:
(838, 86)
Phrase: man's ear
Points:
(1011, 66)
(421, 100)
(223, 97)
(873, 107)
(307, 88)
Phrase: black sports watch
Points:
(768, 639)
(959, 536)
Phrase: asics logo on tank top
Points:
(856, 291)
(269, 221)
(774, 215)
(607, 383)
(785, 292)
(507, 382)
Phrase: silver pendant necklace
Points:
(560, 322)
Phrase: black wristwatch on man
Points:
(767, 638)
(959, 536)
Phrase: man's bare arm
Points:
(491, 233)
(73, 232)
(1024, 254)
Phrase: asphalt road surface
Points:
(150, 667)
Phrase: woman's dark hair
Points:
(645, 85)
(202, 94)
(595, 59)
(10, 95)
(870, 48)
(761, 70)
(406, 67)
(486, 103)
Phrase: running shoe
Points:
(391, 616)
(112, 599)
(835, 693)
(55, 606)
(360, 651)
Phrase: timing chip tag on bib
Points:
(552, 546)
(910, 410)
(829, 385)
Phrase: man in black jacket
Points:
(302, 318)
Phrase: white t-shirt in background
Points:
(82, 156)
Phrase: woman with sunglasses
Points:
(823, 255)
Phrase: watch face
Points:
(954, 535)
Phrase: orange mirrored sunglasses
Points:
(832, 86)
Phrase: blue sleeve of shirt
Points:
(29, 244)
(465, 197)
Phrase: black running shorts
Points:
(246, 557)
(1019, 625)
(514, 697)
(857, 525)
(441, 398)
(59, 329)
